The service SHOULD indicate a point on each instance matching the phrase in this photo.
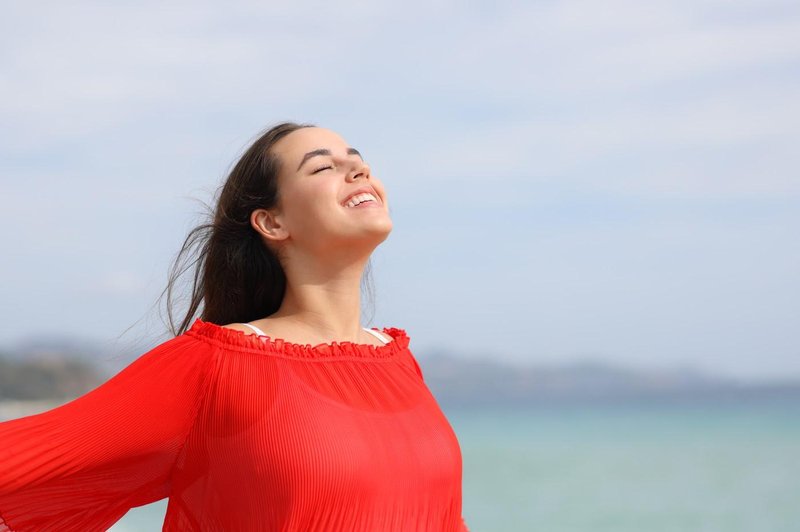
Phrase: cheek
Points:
(381, 190)
(311, 205)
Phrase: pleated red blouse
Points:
(241, 432)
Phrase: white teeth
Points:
(360, 198)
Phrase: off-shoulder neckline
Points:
(243, 341)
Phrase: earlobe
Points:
(268, 224)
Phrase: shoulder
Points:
(180, 362)
(186, 346)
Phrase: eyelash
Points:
(318, 170)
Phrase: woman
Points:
(275, 409)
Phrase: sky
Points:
(569, 180)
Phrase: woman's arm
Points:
(83, 465)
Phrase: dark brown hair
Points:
(237, 278)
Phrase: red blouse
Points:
(241, 432)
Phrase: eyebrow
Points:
(324, 151)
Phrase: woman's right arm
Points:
(83, 465)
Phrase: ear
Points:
(269, 224)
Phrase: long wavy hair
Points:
(236, 277)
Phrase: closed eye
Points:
(318, 170)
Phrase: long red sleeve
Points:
(82, 465)
(242, 433)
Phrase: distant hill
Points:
(46, 378)
(456, 381)
(107, 357)
(54, 368)
(49, 370)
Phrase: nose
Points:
(361, 169)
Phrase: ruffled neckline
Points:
(243, 341)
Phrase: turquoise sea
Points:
(633, 467)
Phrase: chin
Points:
(377, 233)
(386, 228)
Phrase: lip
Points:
(362, 190)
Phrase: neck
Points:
(324, 296)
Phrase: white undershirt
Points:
(375, 333)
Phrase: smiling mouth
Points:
(361, 199)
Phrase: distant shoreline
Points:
(14, 408)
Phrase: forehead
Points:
(291, 148)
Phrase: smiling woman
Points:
(274, 409)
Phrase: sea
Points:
(633, 466)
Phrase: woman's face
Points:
(328, 197)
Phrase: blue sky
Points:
(569, 180)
